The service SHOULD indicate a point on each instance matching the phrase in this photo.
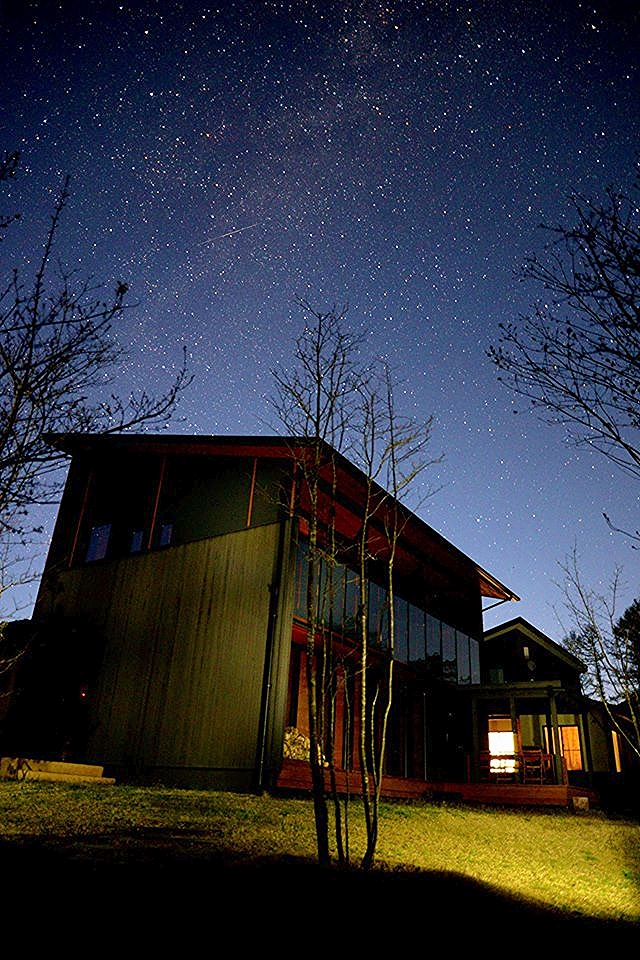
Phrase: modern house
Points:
(169, 636)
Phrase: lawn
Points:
(564, 864)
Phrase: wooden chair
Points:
(533, 768)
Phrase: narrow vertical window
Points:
(98, 542)
(617, 756)
(166, 534)
(434, 646)
(417, 648)
(449, 666)
(474, 652)
(137, 541)
(401, 638)
(378, 620)
(463, 658)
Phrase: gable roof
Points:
(521, 626)
(417, 533)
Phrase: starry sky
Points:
(397, 159)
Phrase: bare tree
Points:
(392, 452)
(58, 353)
(337, 404)
(609, 646)
(576, 357)
(313, 401)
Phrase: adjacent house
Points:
(168, 640)
(535, 724)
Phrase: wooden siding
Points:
(185, 634)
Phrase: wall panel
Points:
(185, 632)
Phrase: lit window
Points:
(616, 751)
(502, 745)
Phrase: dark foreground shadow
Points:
(150, 894)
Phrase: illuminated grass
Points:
(584, 863)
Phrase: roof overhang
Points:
(526, 629)
(416, 532)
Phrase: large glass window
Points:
(401, 624)
(417, 644)
(335, 585)
(302, 578)
(352, 599)
(463, 658)
(378, 616)
(449, 670)
(474, 654)
(322, 591)
(420, 637)
(434, 646)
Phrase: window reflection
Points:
(401, 624)
(449, 671)
(463, 658)
(336, 596)
(378, 624)
(474, 653)
(420, 638)
(434, 645)
(417, 646)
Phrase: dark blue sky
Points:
(397, 158)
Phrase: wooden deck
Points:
(295, 776)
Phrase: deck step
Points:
(54, 771)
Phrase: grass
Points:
(581, 865)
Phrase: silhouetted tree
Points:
(58, 353)
(609, 646)
(58, 349)
(391, 450)
(313, 401)
(576, 357)
(336, 404)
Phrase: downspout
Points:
(275, 590)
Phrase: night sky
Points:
(394, 158)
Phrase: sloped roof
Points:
(353, 479)
(526, 629)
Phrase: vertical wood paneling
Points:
(185, 631)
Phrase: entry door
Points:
(569, 745)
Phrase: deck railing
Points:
(529, 766)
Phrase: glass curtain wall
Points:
(421, 640)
